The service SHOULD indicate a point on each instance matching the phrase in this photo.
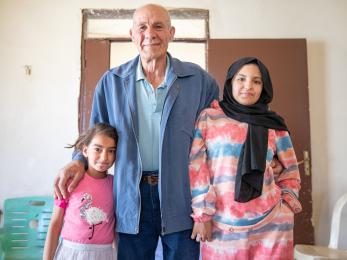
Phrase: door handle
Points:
(307, 163)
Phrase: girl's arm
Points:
(53, 233)
(289, 179)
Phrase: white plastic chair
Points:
(309, 252)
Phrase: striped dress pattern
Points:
(261, 228)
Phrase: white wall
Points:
(39, 112)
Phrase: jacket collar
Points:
(179, 68)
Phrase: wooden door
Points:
(95, 62)
(286, 60)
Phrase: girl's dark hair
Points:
(98, 129)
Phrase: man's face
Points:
(152, 32)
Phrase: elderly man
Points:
(153, 102)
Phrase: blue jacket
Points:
(114, 102)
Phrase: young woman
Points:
(241, 208)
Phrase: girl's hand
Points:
(202, 231)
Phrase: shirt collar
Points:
(141, 76)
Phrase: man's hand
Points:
(72, 171)
(202, 231)
(276, 166)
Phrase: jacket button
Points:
(231, 229)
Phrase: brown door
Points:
(95, 62)
(286, 60)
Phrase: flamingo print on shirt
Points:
(93, 215)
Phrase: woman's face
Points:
(247, 85)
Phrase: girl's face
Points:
(247, 85)
(101, 154)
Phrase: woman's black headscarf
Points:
(252, 162)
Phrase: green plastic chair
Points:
(25, 227)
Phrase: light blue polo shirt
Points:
(150, 103)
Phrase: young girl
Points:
(241, 208)
(86, 220)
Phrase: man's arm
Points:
(213, 92)
(75, 170)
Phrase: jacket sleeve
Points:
(203, 194)
(99, 112)
(289, 179)
(213, 92)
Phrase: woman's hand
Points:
(276, 166)
(202, 231)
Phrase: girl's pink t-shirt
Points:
(89, 215)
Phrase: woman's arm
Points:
(203, 194)
(53, 233)
(289, 179)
